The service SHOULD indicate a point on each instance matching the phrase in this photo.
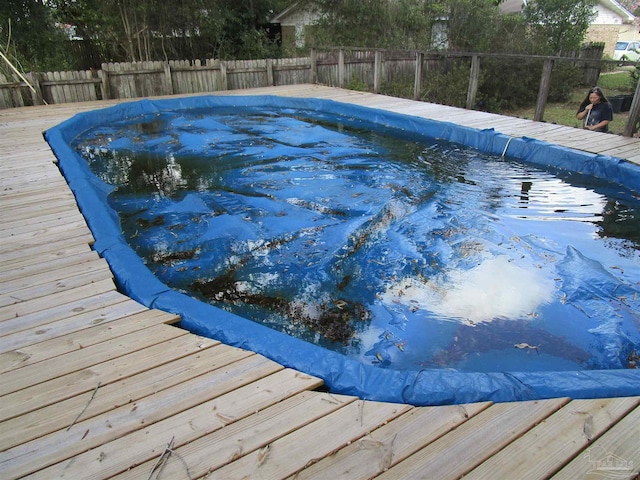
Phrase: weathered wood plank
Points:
(66, 386)
(64, 326)
(287, 455)
(545, 449)
(475, 441)
(390, 444)
(58, 285)
(43, 278)
(34, 456)
(85, 357)
(614, 455)
(79, 339)
(20, 226)
(205, 357)
(11, 274)
(191, 425)
(61, 311)
(20, 309)
(77, 233)
(244, 435)
(46, 253)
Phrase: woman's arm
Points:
(583, 113)
(598, 126)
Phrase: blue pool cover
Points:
(341, 374)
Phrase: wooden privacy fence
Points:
(333, 67)
(147, 79)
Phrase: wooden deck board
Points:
(65, 311)
(475, 441)
(22, 308)
(80, 339)
(547, 447)
(193, 424)
(232, 413)
(619, 444)
(46, 277)
(76, 323)
(206, 357)
(83, 358)
(392, 443)
(284, 456)
(61, 445)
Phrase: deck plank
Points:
(256, 400)
(58, 388)
(475, 441)
(282, 457)
(44, 253)
(22, 308)
(61, 311)
(86, 357)
(34, 456)
(80, 339)
(245, 435)
(546, 448)
(30, 281)
(64, 326)
(206, 357)
(22, 271)
(614, 455)
(388, 445)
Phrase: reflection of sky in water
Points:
(435, 255)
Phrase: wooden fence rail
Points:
(340, 66)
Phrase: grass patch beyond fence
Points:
(617, 83)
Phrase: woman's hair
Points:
(598, 91)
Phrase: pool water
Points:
(397, 251)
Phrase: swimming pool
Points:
(424, 271)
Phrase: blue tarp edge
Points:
(340, 374)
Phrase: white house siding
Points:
(606, 16)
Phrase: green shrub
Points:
(449, 87)
(357, 84)
(397, 89)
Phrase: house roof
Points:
(516, 6)
(285, 13)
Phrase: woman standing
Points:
(595, 111)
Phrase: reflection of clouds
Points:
(494, 289)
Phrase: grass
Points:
(616, 83)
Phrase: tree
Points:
(560, 25)
(29, 36)
(373, 23)
(471, 25)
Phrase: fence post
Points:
(269, 66)
(634, 113)
(377, 71)
(167, 79)
(106, 91)
(224, 84)
(473, 82)
(341, 68)
(543, 93)
(417, 82)
(313, 59)
(36, 93)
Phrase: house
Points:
(612, 21)
(293, 22)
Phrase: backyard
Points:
(614, 83)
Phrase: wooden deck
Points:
(94, 385)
